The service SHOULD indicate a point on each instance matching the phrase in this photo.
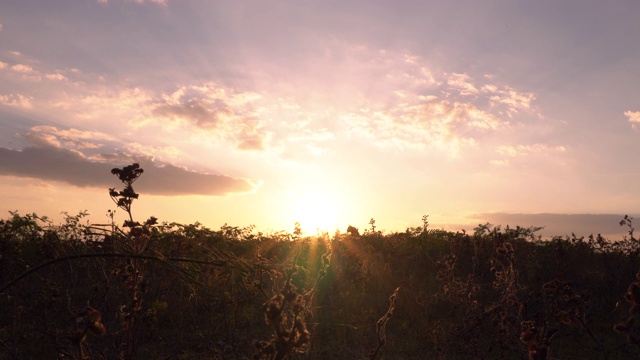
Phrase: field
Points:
(161, 290)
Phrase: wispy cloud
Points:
(524, 150)
(438, 123)
(56, 76)
(49, 136)
(515, 101)
(462, 83)
(16, 100)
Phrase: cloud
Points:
(3, 65)
(409, 105)
(72, 167)
(233, 116)
(1, 26)
(56, 77)
(425, 122)
(525, 154)
(515, 101)
(27, 71)
(16, 100)
(525, 150)
(105, 103)
(251, 143)
(162, 154)
(64, 155)
(634, 118)
(21, 68)
(49, 136)
(202, 113)
(462, 83)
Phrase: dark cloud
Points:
(72, 167)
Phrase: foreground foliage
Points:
(174, 291)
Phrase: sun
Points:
(316, 212)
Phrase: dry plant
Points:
(88, 322)
(630, 324)
(287, 313)
(381, 325)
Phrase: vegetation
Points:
(173, 291)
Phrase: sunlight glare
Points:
(316, 212)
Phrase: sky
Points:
(329, 113)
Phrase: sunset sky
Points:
(325, 112)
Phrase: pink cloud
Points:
(21, 68)
(634, 118)
(71, 138)
(57, 77)
(16, 100)
(462, 83)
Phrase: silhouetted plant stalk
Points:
(287, 313)
(381, 325)
(88, 322)
(630, 324)
(130, 272)
(563, 307)
(124, 198)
